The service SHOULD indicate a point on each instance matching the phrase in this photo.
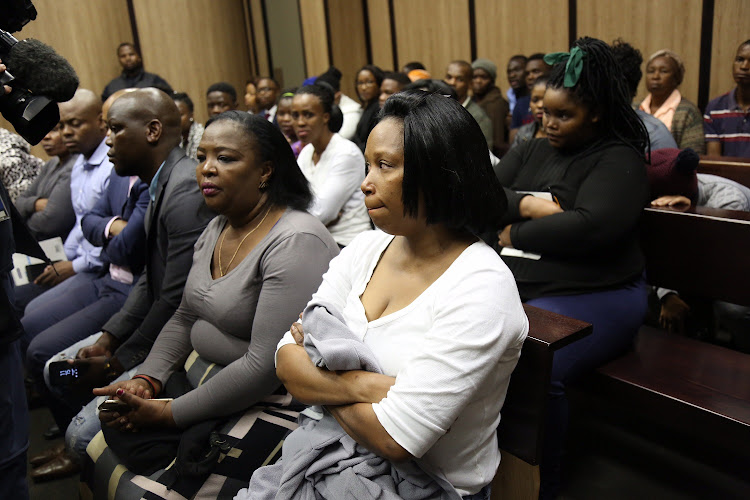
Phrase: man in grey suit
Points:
(144, 137)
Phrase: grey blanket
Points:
(319, 459)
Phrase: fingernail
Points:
(119, 392)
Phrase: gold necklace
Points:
(223, 237)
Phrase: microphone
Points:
(43, 79)
(42, 70)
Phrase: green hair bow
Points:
(573, 66)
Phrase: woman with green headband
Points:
(570, 235)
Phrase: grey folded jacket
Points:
(319, 459)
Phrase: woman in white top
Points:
(439, 309)
(333, 165)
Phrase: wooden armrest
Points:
(553, 330)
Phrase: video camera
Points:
(39, 78)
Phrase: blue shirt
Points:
(658, 133)
(725, 122)
(88, 182)
(154, 183)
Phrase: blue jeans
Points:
(616, 316)
(85, 425)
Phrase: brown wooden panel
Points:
(678, 28)
(346, 19)
(314, 36)
(434, 32)
(731, 20)
(204, 44)
(259, 37)
(88, 41)
(379, 16)
(505, 29)
(737, 169)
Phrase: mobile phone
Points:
(62, 373)
(117, 405)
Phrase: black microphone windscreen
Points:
(42, 70)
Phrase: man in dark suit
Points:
(144, 137)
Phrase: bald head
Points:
(144, 127)
(82, 125)
(108, 103)
(145, 105)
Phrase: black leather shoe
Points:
(47, 455)
(53, 432)
(60, 467)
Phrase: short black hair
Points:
(401, 78)
(535, 56)
(286, 94)
(540, 80)
(288, 186)
(746, 42)
(411, 66)
(446, 161)
(183, 97)
(434, 86)
(128, 44)
(325, 95)
(629, 59)
(225, 87)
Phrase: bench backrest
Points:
(736, 169)
(701, 251)
(521, 430)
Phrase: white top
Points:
(335, 182)
(352, 111)
(452, 351)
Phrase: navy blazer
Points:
(129, 247)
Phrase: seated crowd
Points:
(368, 304)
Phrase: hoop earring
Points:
(263, 186)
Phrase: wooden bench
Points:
(736, 169)
(695, 391)
(521, 431)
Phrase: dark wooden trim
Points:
(473, 29)
(328, 34)
(302, 37)
(251, 37)
(707, 35)
(572, 22)
(368, 41)
(134, 27)
(394, 44)
(268, 40)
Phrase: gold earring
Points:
(263, 186)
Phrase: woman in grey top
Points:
(254, 268)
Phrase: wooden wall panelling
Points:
(678, 29)
(731, 21)
(434, 32)
(201, 45)
(88, 43)
(379, 17)
(505, 29)
(259, 38)
(314, 36)
(348, 45)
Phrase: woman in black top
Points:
(573, 244)
(368, 83)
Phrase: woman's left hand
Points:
(503, 237)
(298, 334)
(143, 413)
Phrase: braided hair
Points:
(602, 88)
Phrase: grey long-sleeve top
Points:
(237, 320)
(53, 183)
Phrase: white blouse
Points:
(452, 351)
